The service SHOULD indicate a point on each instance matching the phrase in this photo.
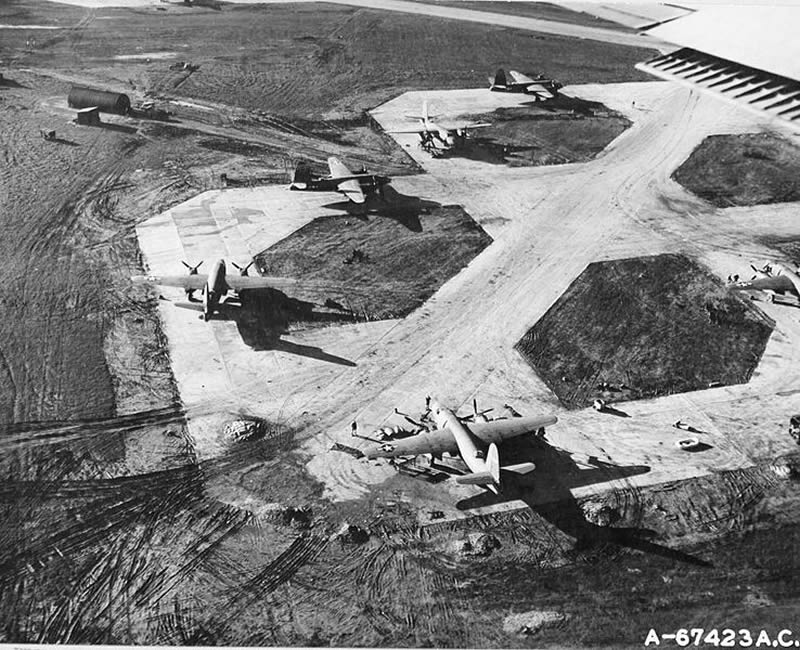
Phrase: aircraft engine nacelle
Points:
(446, 137)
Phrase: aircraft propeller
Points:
(192, 269)
(477, 416)
(243, 270)
(409, 419)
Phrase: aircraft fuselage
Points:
(216, 287)
(445, 136)
(470, 448)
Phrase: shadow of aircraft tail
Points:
(547, 492)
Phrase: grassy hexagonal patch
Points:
(745, 169)
(643, 327)
(386, 265)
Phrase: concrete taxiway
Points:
(548, 223)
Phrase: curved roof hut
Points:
(108, 102)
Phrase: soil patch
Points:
(406, 253)
(643, 327)
(748, 169)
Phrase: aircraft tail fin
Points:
(500, 78)
(302, 174)
(493, 463)
(491, 477)
(425, 115)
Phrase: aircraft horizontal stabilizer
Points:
(519, 468)
(479, 478)
(193, 306)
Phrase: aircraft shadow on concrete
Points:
(485, 150)
(406, 210)
(547, 492)
(562, 104)
(262, 316)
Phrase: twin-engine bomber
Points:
(218, 283)
(355, 186)
(516, 82)
(446, 134)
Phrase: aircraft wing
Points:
(338, 168)
(352, 190)
(418, 130)
(288, 285)
(436, 442)
(498, 430)
(461, 126)
(539, 90)
(196, 281)
(745, 54)
(245, 282)
(519, 78)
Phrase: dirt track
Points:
(90, 555)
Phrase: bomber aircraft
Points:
(448, 134)
(779, 281)
(355, 186)
(516, 82)
(474, 438)
(218, 283)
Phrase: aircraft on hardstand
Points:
(355, 186)
(516, 82)
(778, 281)
(474, 438)
(218, 283)
(444, 134)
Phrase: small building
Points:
(89, 116)
(103, 100)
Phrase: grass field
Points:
(749, 169)
(647, 326)
(410, 253)
(309, 60)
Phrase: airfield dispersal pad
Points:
(547, 223)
